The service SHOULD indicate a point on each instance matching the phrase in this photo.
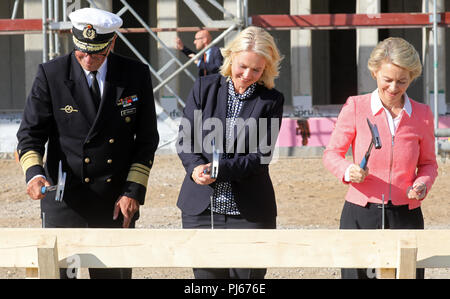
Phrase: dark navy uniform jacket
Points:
(105, 154)
(248, 169)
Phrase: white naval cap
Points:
(93, 29)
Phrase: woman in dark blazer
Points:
(241, 111)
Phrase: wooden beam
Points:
(348, 21)
(21, 25)
(47, 254)
(133, 248)
(272, 22)
(203, 248)
(386, 273)
(407, 259)
(31, 273)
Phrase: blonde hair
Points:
(259, 41)
(397, 51)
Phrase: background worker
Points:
(212, 58)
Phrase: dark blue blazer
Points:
(113, 139)
(212, 66)
(248, 169)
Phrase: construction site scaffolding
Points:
(52, 24)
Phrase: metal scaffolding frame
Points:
(427, 21)
(53, 24)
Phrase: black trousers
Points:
(370, 217)
(203, 221)
(78, 222)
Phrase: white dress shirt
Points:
(376, 105)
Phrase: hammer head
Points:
(375, 135)
(213, 170)
(61, 183)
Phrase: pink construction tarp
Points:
(320, 129)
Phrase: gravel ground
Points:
(308, 197)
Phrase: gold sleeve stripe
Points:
(29, 159)
(139, 174)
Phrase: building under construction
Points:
(325, 44)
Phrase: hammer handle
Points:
(46, 189)
(363, 163)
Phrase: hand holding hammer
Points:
(358, 174)
(376, 141)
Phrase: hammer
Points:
(59, 187)
(214, 169)
(375, 141)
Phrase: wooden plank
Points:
(205, 248)
(386, 273)
(347, 21)
(21, 25)
(224, 248)
(407, 259)
(18, 248)
(311, 21)
(228, 248)
(48, 259)
(31, 273)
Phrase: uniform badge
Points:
(89, 32)
(68, 109)
(128, 112)
(128, 101)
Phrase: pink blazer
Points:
(407, 158)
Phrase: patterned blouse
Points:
(223, 196)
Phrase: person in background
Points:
(404, 169)
(212, 58)
(242, 194)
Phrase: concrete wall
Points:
(11, 63)
(310, 67)
(334, 58)
(366, 40)
(301, 70)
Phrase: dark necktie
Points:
(204, 59)
(95, 89)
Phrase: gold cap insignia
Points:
(89, 32)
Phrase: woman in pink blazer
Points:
(403, 170)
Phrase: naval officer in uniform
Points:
(95, 111)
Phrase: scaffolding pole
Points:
(44, 32)
(14, 13)
(51, 25)
(435, 69)
(199, 54)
